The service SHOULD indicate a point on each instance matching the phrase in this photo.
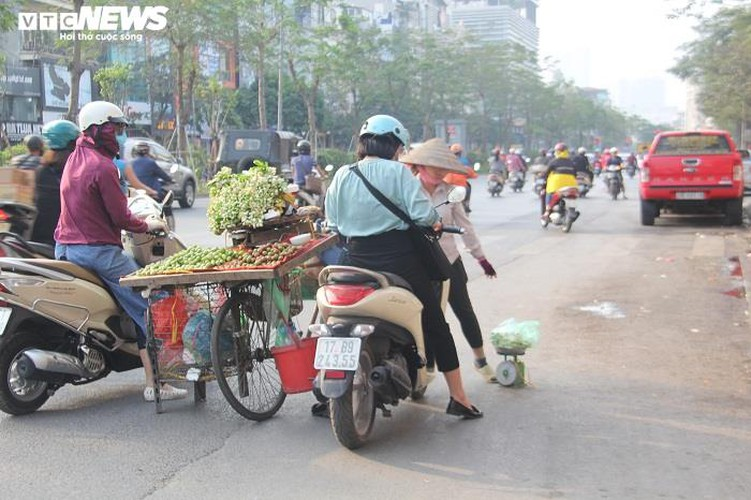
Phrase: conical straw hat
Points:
(434, 153)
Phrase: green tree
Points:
(113, 82)
(717, 63)
(215, 103)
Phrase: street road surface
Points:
(639, 387)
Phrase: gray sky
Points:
(599, 42)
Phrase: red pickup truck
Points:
(692, 170)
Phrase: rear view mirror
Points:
(329, 168)
(167, 199)
(174, 168)
(477, 166)
(457, 194)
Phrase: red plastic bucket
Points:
(295, 365)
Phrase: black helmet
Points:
(141, 149)
(33, 142)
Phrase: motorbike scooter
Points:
(59, 324)
(495, 183)
(585, 184)
(516, 181)
(563, 212)
(370, 349)
(613, 181)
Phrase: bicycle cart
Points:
(242, 337)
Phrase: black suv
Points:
(238, 149)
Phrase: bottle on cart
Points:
(283, 335)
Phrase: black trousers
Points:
(393, 252)
(462, 306)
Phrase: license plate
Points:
(4, 317)
(337, 353)
(689, 195)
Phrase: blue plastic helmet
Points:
(58, 133)
(385, 124)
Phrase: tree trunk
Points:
(76, 70)
(262, 123)
(179, 99)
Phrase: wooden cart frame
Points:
(239, 283)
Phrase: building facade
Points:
(495, 21)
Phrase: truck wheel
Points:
(734, 212)
(648, 213)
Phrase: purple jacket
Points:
(93, 208)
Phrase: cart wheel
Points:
(241, 357)
(507, 373)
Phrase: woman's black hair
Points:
(382, 146)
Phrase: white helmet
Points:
(613, 151)
(99, 112)
(582, 150)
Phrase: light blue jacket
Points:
(352, 210)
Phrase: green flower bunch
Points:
(241, 200)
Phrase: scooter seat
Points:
(396, 280)
(357, 278)
(70, 269)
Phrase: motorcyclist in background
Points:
(559, 174)
(497, 163)
(581, 163)
(151, 174)
(303, 165)
(516, 163)
(617, 161)
(458, 179)
(60, 136)
(30, 161)
(93, 212)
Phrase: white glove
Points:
(156, 225)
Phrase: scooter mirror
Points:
(457, 194)
(477, 166)
(167, 199)
(329, 168)
(292, 188)
(174, 168)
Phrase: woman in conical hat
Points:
(433, 161)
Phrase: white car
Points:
(184, 187)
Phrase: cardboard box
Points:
(10, 175)
(17, 185)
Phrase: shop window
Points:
(20, 109)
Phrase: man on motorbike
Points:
(497, 163)
(303, 165)
(581, 163)
(93, 212)
(30, 161)
(60, 136)
(377, 239)
(559, 174)
(616, 161)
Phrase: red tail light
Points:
(4, 215)
(335, 375)
(346, 295)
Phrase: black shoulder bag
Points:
(424, 239)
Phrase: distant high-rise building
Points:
(494, 21)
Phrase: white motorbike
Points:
(59, 323)
(370, 348)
